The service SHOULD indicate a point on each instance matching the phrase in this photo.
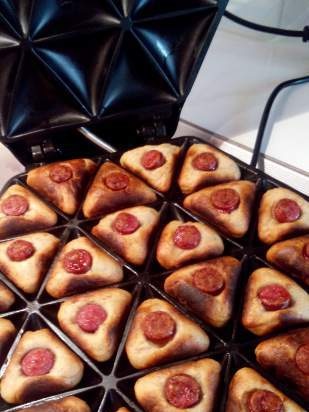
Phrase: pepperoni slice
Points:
(208, 280)
(182, 391)
(264, 401)
(274, 297)
(15, 205)
(306, 251)
(153, 159)
(37, 362)
(60, 173)
(158, 326)
(90, 317)
(116, 181)
(77, 261)
(187, 237)
(206, 162)
(125, 223)
(302, 358)
(226, 200)
(287, 210)
(20, 250)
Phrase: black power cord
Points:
(304, 34)
(263, 123)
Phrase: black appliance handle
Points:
(265, 116)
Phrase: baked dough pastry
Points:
(206, 288)
(287, 356)
(40, 366)
(273, 301)
(25, 260)
(291, 256)
(160, 333)
(69, 404)
(228, 206)
(128, 232)
(7, 334)
(123, 410)
(93, 320)
(181, 242)
(282, 213)
(250, 392)
(205, 166)
(81, 266)
(190, 386)
(153, 163)
(62, 183)
(21, 211)
(7, 298)
(115, 188)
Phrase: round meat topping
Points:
(37, 362)
(226, 200)
(206, 162)
(15, 205)
(306, 251)
(20, 250)
(77, 261)
(116, 181)
(182, 391)
(274, 297)
(125, 223)
(90, 317)
(187, 237)
(264, 401)
(153, 159)
(158, 327)
(60, 173)
(208, 280)
(302, 358)
(287, 210)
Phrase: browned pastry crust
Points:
(7, 298)
(7, 334)
(104, 270)
(247, 380)
(159, 178)
(289, 256)
(278, 355)
(27, 274)
(170, 256)
(38, 216)
(68, 404)
(101, 344)
(189, 338)
(260, 321)
(100, 199)
(192, 179)
(269, 229)
(65, 374)
(235, 223)
(132, 247)
(65, 195)
(213, 309)
(149, 390)
(123, 410)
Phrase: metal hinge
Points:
(44, 151)
(155, 129)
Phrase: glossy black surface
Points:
(75, 62)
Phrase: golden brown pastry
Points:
(93, 320)
(206, 288)
(21, 211)
(205, 166)
(115, 188)
(7, 298)
(153, 163)
(68, 404)
(282, 213)
(7, 334)
(62, 183)
(160, 333)
(228, 206)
